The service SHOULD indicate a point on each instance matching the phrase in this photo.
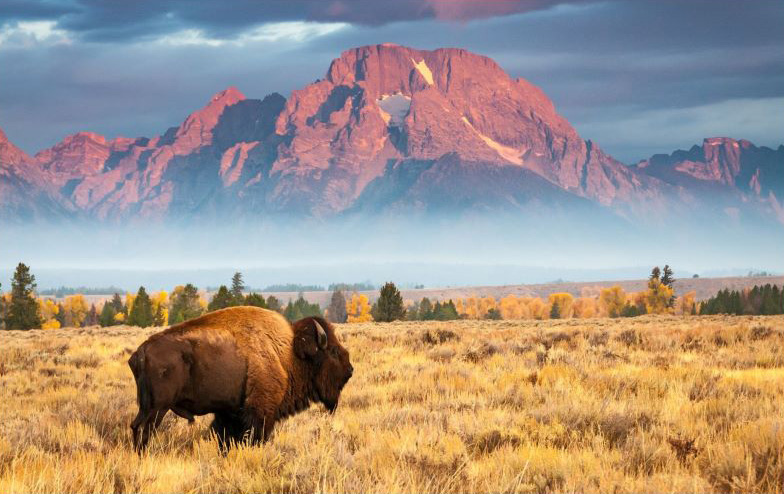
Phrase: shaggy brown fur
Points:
(248, 366)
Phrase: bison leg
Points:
(228, 427)
(144, 425)
(259, 426)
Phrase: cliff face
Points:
(389, 128)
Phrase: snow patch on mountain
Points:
(394, 108)
(423, 69)
(510, 154)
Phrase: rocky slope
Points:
(389, 129)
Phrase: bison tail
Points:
(143, 388)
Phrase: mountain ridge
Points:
(451, 121)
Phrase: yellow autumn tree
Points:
(511, 307)
(585, 307)
(359, 309)
(564, 302)
(129, 298)
(485, 305)
(685, 304)
(160, 308)
(612, 300)
(49, 311)
(657, 297)
(470, 307)
(75, 308)
(537, 308)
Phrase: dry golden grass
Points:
(660, 404)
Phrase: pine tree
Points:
(92, 316)
(222, 299)
(60, 316)
(273, 303)
(494, 314)
(389, 304)
(291, 312)
(159, 317)
(141, 313)
(668, 279)
(255, 300)
(425, 309)
(667, 276)
(237, 287)
(337, 308)
(184, 304)
(555, 310)
(107, 315)
(449, 312)
(655, 274)
(118, 305)
(23, 312)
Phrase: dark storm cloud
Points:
(24, 10)
(111, 20)
(632, 65)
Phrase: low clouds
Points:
(137, 67)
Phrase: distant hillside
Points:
(705, 287)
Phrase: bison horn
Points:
(321, 334)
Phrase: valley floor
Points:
(655, 403)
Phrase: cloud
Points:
(99, 20)
(27, 34)
(138, 67)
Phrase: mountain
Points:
(389, 130)
(725, 168)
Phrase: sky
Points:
(636, 76)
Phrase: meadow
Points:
(653, 403)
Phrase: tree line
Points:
(21, 308)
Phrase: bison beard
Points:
(248, 366)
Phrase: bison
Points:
(246, 365)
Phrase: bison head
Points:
(315, 341)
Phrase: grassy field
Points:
(657, 404)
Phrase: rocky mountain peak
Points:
(196, 130)
(9, 153)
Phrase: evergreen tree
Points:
(2, 308)
(255, 300)
(221, 300)
(118, 305)
(184, 304)
(237, 287)
(425, 309)
(60, 316)
(300, 308)
(337, 307)
(655, 274)
(273, 303)
(92, 316)
(23, 311)
(292, 312)
(141, 313)
(448, 312)
(159, 317)
(494, 314)
(107, 315)
(555, 310)
(630, 310)
(668, 279)
(389, 306)
(667, 276)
